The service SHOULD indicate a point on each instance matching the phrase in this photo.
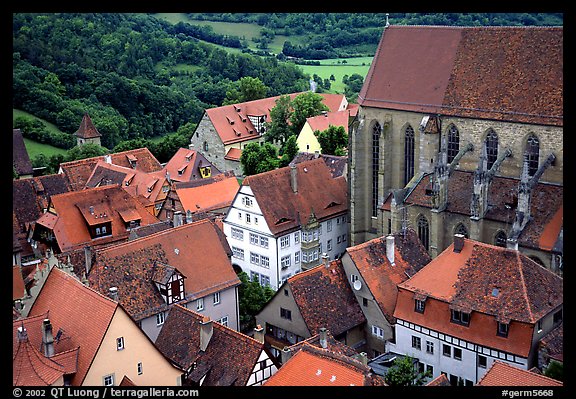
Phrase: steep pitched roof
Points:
(503, 374)
(552, 344)
(228, 359)
(317, 193)
(325, 120)
(208, 194)
(185, 163)
(325, 299)
(546, 208)
(18, 289)
(478, 72)
(73, 215)
(313, 366)
(197, 250)
(77, 172)
(332, 345)
(380, 276)
(20, 157)
(233, 124)
(466, 279)
(337, 164)
(87, 130)
(84, 320)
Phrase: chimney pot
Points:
(22, 334)
(113, 293)
(323, 337)
(206, 330)
(458, 242)
(364, 358)
(390, 248)
(259, 333)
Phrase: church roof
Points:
(501, 73)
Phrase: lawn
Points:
(33, 147)
(338, 69)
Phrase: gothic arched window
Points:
(532, 154)
(376, 133)
(461, 229)
(500, 239)
(453, 143)
(408, 154)
(423, 231)
(491, 144)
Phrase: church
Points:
(460, 131)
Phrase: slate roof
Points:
(313, 366)
(69, 224)
(490, 72)
(87, 130)
(208, 194)
(228, 359)
(84, 320)
(325, 299)
(77, 172)
(317, 193)
(542, 231)
(20, 157)
(380, 276)
(503, 374)
(188, 161)
(466, 280)
(232, 122)
(197, 250)
(337, 164)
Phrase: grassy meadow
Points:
(35, 148)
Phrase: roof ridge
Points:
(69, 277)
(520, 266)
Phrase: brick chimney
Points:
(47, 338)
(206, 330)
(323, 337)
(390, 248)
(293, 178)
(259, 333)
(458, 242)
(113, 293)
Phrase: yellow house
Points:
(307, 141)
(102, 341)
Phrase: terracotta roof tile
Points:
(228, 359)
(18, 289)
(440, 381)
(233, 154)
(218, 192)
(312, 366)
(325, 299)
(20, 158)
(196, 250)
(188, 161)
(380, 276)
(478, 72)
(553, 344)
(317, 192)
(332, 345)
(503, 374)
(337, 164)
(324, 121)
(84, 320)
(87, 130)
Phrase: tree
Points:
(251, 299)
(555, 370)
(288, 151)
(304, 106)
(333, 140)
(88, 150)
(403, 373)
(246, 89)
(258, 158)
(278, 130)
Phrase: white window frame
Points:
(285, 241)
(429, 347)
(248, 218)
(285, 261)
(223, 320)
(297, 258)
(238, 253)
(329, 245)
(297, 237)
(329, 225)
(265, 261)
(216, 298)
(139, 368)
(199, 304)
(108, 380)
(254, 239)
(160, 318)
(254, 258)
(237, 234)
(264, 242)
(120, 343)
(378, 332)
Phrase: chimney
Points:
(458, 242)
(323, 337)
(88, 258)
(390, 248)
(286, 354)
(22, 334)
(108, 159)
(316, 154)
(363, 357)
(113, 293)
(293, 178)
(177, 219)
(325, 260)
(47, 338)
(259, 333)
(206, 330)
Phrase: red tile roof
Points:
(77, 172)
(324, 121)
(84, 320)
(233, 154)
(380, 276)
(73, 215)
(317, 193)
(188, 161)
(440, 381)
(325, 299)
(217, 193)
(466, 281)
(332, 345)
(478, 72)
(228, 359)
(232, 122)
(312, 366)
(552, 344)
(20, 158)
(503, 374)
(87, 130)
(18, 289)
(197, 250)
(337, 164)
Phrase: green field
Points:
(34, 148)
(338, 69)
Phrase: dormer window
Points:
(419, 306)
(170, 283)
(502, 330)
(459, 317)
